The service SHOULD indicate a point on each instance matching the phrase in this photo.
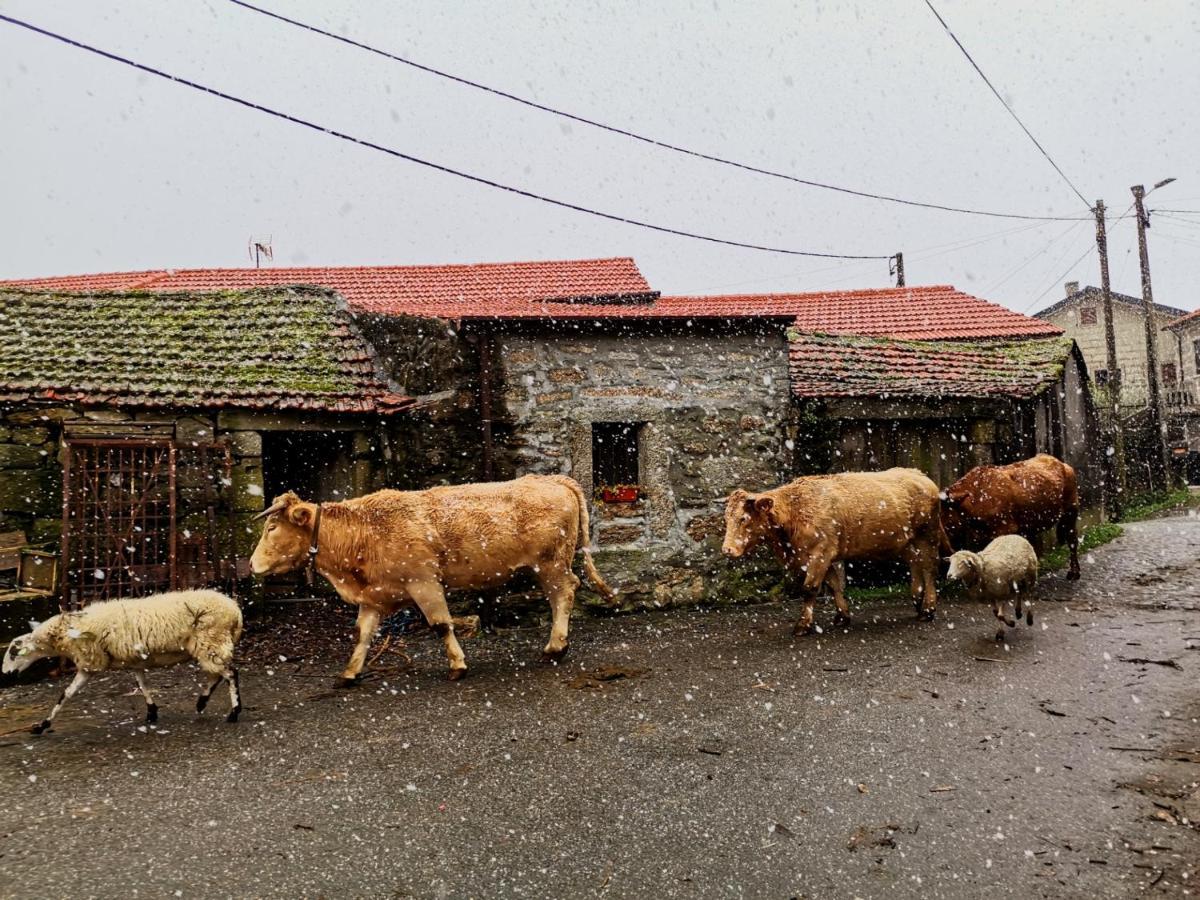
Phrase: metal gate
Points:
(142, 515)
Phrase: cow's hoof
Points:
(345, 683)
(1073, 575)
(40, 727)
(553, 656)
(233, 715)
(1029, 618)
(151, 713)
(841, 619)
(927, 615)
(457, 674)
(804, 630)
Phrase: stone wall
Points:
(30, 473)
(712, 410)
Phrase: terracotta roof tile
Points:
(839, 366)
(614, 287)
(262, 349)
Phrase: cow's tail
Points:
(584, 538)
(943, 541)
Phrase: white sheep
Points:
(139, 634)
(1006, 569)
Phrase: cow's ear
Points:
(764, 504)
(300, 515)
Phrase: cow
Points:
(392, 548)
(1025, 498)
(817, 523)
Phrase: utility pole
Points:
(898, 269)
(1114, 370)
(1158, 460)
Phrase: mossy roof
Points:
(279, 348)
(840, 366)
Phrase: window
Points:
(1102, 378)
(615, 453)
(1087, 315)
(1168, 373)
(1196, 350)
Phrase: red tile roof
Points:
(451, 291)
(938, 312)
(542, 290)
(1188, 319)
(823, 366)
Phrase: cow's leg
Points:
(431, 600)
(1068, 532)
(559, 584)
(814, 577)
(79, 681)
(151, 707)
(368, 623)
(916, 585)
(836, 579)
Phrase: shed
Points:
(140, 431)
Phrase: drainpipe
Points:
(485, 348)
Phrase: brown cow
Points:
(1024, 498)
(392, 548)
(816, 523)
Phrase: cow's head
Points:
(286, 536)
(27, 649)
(748, 522)
(966, 567)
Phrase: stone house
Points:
(1080, 315)
(1183, 406)
(659, 406)
(139, 432)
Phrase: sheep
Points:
(139, 634)
(1005, 569)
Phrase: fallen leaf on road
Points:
(942, 788)
(862, 788)
(597, 678)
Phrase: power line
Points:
(1011, 112)
(1059, 279)
(249, 104)
(665, 145)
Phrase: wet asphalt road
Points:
(898, 759)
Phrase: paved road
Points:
(898, 759)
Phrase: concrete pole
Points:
(1158, 461)
(1117, 496)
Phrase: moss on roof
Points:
(270, 348)
(849, 366)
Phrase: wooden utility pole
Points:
(1117, 496)
(898, 271)
(1158, 460)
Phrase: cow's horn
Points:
(273, 508)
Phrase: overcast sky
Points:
(105, 168)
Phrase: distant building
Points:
(1183, 404)
(1080, 314)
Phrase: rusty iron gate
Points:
(142, 515)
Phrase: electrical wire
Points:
(1059, 279)
(1004, 102)
(655, 142)
(478, 179)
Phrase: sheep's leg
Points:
(230, 674)
(998, 611)
(214, 678)
(79, 681)
(151, 707)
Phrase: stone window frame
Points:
(654, 458)
(1088, 315)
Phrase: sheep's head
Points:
(27, 649)
(286, 536)
(966, 567)
(747, 522)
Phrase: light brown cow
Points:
(392, 548)
(816, 523)
(1025, 498)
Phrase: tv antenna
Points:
(259, 249)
